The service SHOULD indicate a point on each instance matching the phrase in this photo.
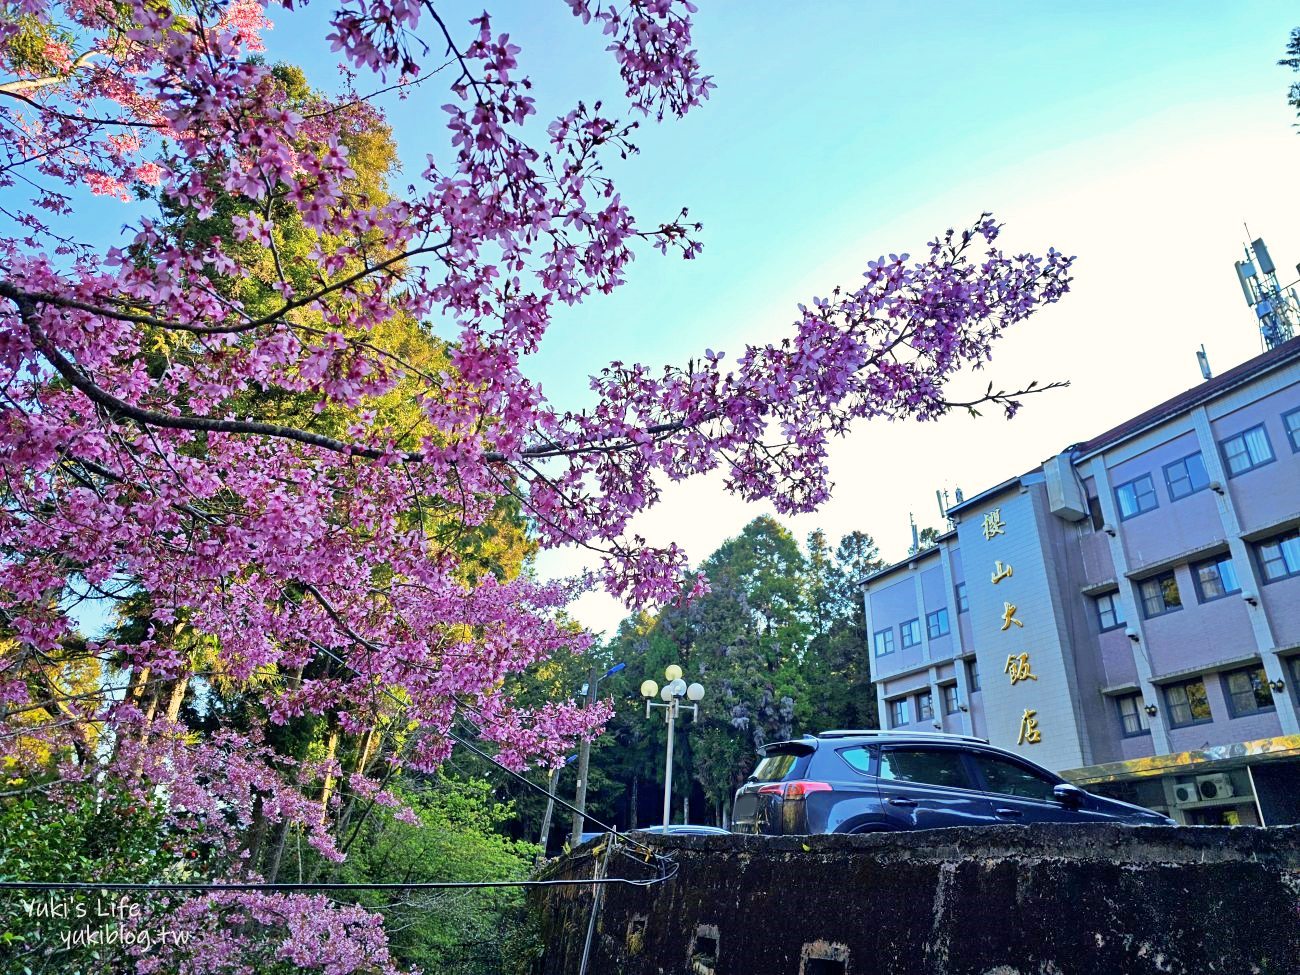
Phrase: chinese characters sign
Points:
(1018, 667)
(993, 523)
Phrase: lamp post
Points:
(588, 690)
(671, 695)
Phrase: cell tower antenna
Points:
(1204, 361)
(1277, 311)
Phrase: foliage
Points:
(85, 834)
(779, 643)
(457, 838)
(1292, 61)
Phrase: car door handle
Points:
(1008, 812)
(899, 801)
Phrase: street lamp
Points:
(671, 695)
(588, 690)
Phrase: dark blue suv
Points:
(869, 781)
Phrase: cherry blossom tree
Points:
(145, 453)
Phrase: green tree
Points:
(458, 837)
(1292, 61)
(837, 659)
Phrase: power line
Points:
(52, 885)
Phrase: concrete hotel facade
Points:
(1128, 613)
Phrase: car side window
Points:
(858, 758)
(1010, 778)
(933, 766)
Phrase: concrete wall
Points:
(1002, 900)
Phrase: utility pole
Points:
(584, 758)
(550, 807)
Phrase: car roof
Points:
(900, 735)
(809, 743)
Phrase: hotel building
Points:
(1127, 613)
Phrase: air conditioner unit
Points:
(1185, 794)
(1217, 786)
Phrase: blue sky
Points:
(1138, 136)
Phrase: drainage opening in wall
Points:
(824, 958)
(704, 949)
(636, 934)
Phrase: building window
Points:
(1247, 450)
(911, 633)
(924, 706)
(1187, 703)
(963, 605)
(1215, 578)
(1160, 595)
(936, 623)
(1186, 476)
(1279, 556)
(884, 640)
(1132, 715)
(1292, 423)
(1247, 691)
(1136, 496)
(898, 712)
(1294, 664)
(951, 702)
(1110, 614)
(1094, 509)
(973, 675)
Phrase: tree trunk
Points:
(273, 871)
(177, 698)
(327, 788)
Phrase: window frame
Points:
(932, 631)
(1229, 695)
(950, 693)
(1277, 540)
(924, 703)
(962, 757)
(976, 755)
(1169, 482)
(1146, 609)
(1293, 671)
(888, 633)
(1139, 712)
(1241, 435)
(1155, 497)
(963, 601)
(973, 676)
(1096, 518)
(1292, 433)
(1169, 705)
(898, 712)
(1216, 560)
(904, 628)
(868, 751)
(1115, 607)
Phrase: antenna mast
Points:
(1276, 310)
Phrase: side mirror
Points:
(1069, 795)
